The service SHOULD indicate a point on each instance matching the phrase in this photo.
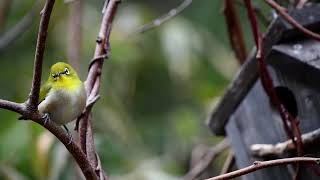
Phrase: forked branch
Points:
(93, 85)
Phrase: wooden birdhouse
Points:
(245, 114)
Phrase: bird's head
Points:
(62, 72)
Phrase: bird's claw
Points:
(70, 139)
(70, 136)
(46, 118)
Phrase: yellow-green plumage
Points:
(63, 96)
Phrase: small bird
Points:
(63, 96)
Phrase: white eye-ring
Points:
(66, 71)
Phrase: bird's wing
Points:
(45, 88)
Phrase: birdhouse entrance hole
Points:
(287, 98)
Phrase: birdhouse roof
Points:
(281, 41)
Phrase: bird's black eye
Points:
(66, 71)
(54, 75)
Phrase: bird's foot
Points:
(46, 118)
(69, 134)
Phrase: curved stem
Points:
(265, 164)
(41, 43)
(290, 20)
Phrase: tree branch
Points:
(12, 106)
(290, 123)
(267, 83)
(301, 3)
(73, 148)
(290, 20)
(266, 164)
(263, 150)
(33, 100)
(166, 17)
(93, 85)
(228, 164)
(206, 160)
(234, 30)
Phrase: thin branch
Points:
(206, 160)
(267, 83)
(90, 147)
(12, 106)
(263, 150)
(228, 164)
(290, 123)
(166, 17)
(301, 3)
(22, 26)
(235, 31)
(74, 149)
(266, 164)
(41, 43)
(93, 85)
(292, 21)
(103, 45)
(262, 17)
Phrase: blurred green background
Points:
(157, 88)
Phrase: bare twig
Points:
(166, 17)
(235, 31)
(12, 106)
(268, 85)
(75, 151)
(278, 149)
(206, 160)
(290, 123)
(22, 26)
(228, 164)
(301, 3)
(262, 17)
(292, 21)
(33, 100)
(93, 85)
(266, 164)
